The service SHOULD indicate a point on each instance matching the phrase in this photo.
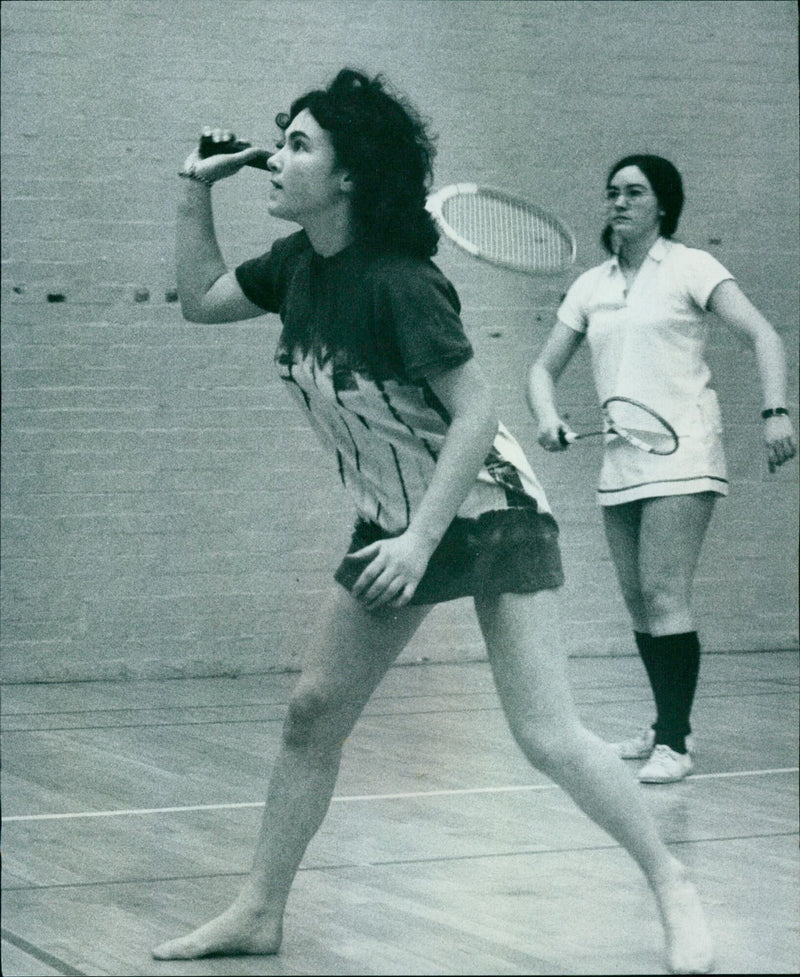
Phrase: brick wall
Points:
(165, 511)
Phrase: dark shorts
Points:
(504, 551)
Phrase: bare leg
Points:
(529, 667)
(621, 523)
(671, 536)
(335, 685)
(655, 545)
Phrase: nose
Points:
(272, 161)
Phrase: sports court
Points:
(170, 528)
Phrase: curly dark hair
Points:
(379, 138)
(667, 185)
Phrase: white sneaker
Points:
(641, 746)
(638, 748)
(665, 766)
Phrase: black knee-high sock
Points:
(672, 662)
(650, 662)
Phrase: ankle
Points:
(675, 742)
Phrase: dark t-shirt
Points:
(362, 334)
(395, 313)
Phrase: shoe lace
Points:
(662, 754)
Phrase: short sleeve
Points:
(424, 309)
(263, 279)
(700, 274)
(572, 311)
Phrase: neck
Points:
(331, 232)
(632, 253)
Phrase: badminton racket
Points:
(489, 224)
(634, 422)
(503, 229)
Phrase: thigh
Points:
(356, 651)
(622, 525)
(671, 537)
(527, 656)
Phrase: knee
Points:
(549, 746)
(307, 708)
(662, 599)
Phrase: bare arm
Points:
(397, 565)
(208, 292)
(558, 350)
(738, 312)
(466, 397)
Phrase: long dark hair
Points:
(667, 185)
(379, 138)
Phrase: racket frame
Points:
(435, 206)
(569, 438)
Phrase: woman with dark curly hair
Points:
(374, 352)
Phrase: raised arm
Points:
(738, 312)
(208, 292)
(548, 366)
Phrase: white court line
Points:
(357, 797)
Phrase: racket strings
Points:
(640, 426)
(509, 233)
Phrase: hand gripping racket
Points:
(208, 147)
(635, 423)
(503, 229)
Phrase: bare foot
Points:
(235, 932)
(689, 946)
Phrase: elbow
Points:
(539, 372)
(189, 314)
(490, 419)
(192, 311)
(478, 420)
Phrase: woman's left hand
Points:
(394, 569)
(779, 435)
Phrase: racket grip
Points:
(208, 147)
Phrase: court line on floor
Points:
(42, 955)
(355, 798)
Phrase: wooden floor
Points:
(131, 809)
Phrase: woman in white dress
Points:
(644, 312)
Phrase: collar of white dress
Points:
(657, 252)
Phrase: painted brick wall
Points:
(165, 511)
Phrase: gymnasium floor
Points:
(131, 809)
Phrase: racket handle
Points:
(208, 147)
(567, 437)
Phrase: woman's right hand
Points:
(552, 436)
(221, 165)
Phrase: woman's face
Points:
(632, 209)
(306, 180)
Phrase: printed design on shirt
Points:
(508, 477)
(398, 417)
(386, 435)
